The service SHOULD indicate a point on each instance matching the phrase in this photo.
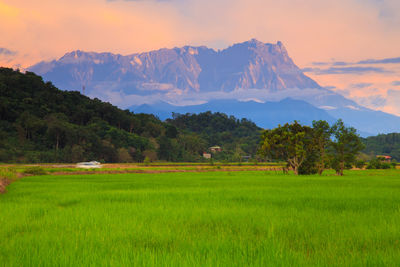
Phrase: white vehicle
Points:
(89, 165)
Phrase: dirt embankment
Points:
(3, 184)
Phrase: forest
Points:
(40, 123)
(383, 144)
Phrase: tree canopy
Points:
(40, 123)
(307, 150)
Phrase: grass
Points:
(54, 168)
(202, 219)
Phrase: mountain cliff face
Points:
(248, 65)
(193, 76)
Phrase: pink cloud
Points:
(312, 30)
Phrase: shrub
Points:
(146, 161)
(386, 165)
(8, 173)
(394, 164)
(124, 156)
(37, 170)
(378, 164)
(360, 164)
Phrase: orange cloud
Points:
(312, 30)
(8, 11)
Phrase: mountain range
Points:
(252, 79)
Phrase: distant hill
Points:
(191, 75)
(383, 144)
(40, 123)
(237, 137)
(265, 115)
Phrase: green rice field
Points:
(246, 218)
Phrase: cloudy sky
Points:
(350, 46)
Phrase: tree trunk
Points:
(321, 166)
(341, 168)
(296, 170)
(57, 141)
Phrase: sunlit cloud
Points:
(339, 43)
(361, 85)
(395, 60)
(395, 83)
(346, 70)
(7, 52)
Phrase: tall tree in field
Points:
(288, 143)
(322, 133)
(345, 146)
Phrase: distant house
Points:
(215, 149)
(384, 158)
(206, 155)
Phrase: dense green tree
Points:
(58, 129)
(171, 131)
(322, 133)
(220, 129)
(383, 144)
(288, 143)
(345, 146)
(41, 123)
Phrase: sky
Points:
(349, 46)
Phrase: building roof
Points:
(383, 156)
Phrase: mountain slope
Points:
(266, 115)
(40, 123)
(190, 75)
(367, 120)
(270, 114)
(251, 64)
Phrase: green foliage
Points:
(209, 129)
(322, 138)
(39, 123)
(292, 143)
(36, 170)
(378, 164)
(202, 219)
(147, 161)
(9, 173)
(360, 164)
(345, 146)
(383, 144)
(310, 150)
(394, 163)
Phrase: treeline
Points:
(40, 123)
(238, 138)
(310, 150)
(383, 144)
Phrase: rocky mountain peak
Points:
(248, 65)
